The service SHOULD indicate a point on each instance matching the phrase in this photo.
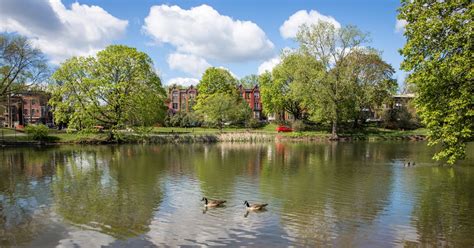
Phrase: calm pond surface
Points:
(335, 194)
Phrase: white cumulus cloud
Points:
(61, 32)
(290, 26)
(191, 64)
(400, 26)
(183, 81)
(203, 32)
(267, 66)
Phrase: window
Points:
(175, 105)
(25, 111)
(175, 97)
(256, 94)
(33, 102)
(256, 106)
(247, 95)
(32, 112)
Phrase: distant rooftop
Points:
(409, 95)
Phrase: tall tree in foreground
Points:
(332, 46)
(285, 88)
(219, 101)
(21, 64)
(116, 88)
(439, 56)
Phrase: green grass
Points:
(306, 134)
(373, 131)
(270, 129)
(78, 137)
(61, 137)
(204, 130)
(8, 131)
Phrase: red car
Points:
(284, 129)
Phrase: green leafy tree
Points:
(331, 46)
(219, 101)
(284, 88)
(221, 108)
(371, 79)
(215, 80)
(438, 54)
(249, 81)
(118, 87)
(21, 64)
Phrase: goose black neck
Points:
(247, 204)
(205, 200)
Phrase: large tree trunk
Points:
(355, 125)
(334, 124)
(334, 130)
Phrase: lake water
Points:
(336, 194)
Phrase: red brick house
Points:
(26, 108)
(252, 96)
(181, 99)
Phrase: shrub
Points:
(38, 132)
(299, 126)
(182, 119)
(400, 118)
(253, 123)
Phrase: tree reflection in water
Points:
(115, 190)
(339, 194)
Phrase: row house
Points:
(27, 108)
(183, 99)
(252, 97)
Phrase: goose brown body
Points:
(212, 203)
(256, 206)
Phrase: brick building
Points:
(183, 99)
(180, 99)
(252, 96)
(26, 108)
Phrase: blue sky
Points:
(181, 49)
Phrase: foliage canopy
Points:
(439, 56)
(21, 64)
(118, 87)
(219, 101)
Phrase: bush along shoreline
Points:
(32, 139)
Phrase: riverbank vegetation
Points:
(198, 135)
(333, 85)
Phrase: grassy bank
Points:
(209, 135)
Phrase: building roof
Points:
(409, 95)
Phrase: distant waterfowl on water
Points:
(409, 164)
(213, 203)
(259, 206)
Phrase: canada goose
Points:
(409, 164)
(212, 203)
(255, 206)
